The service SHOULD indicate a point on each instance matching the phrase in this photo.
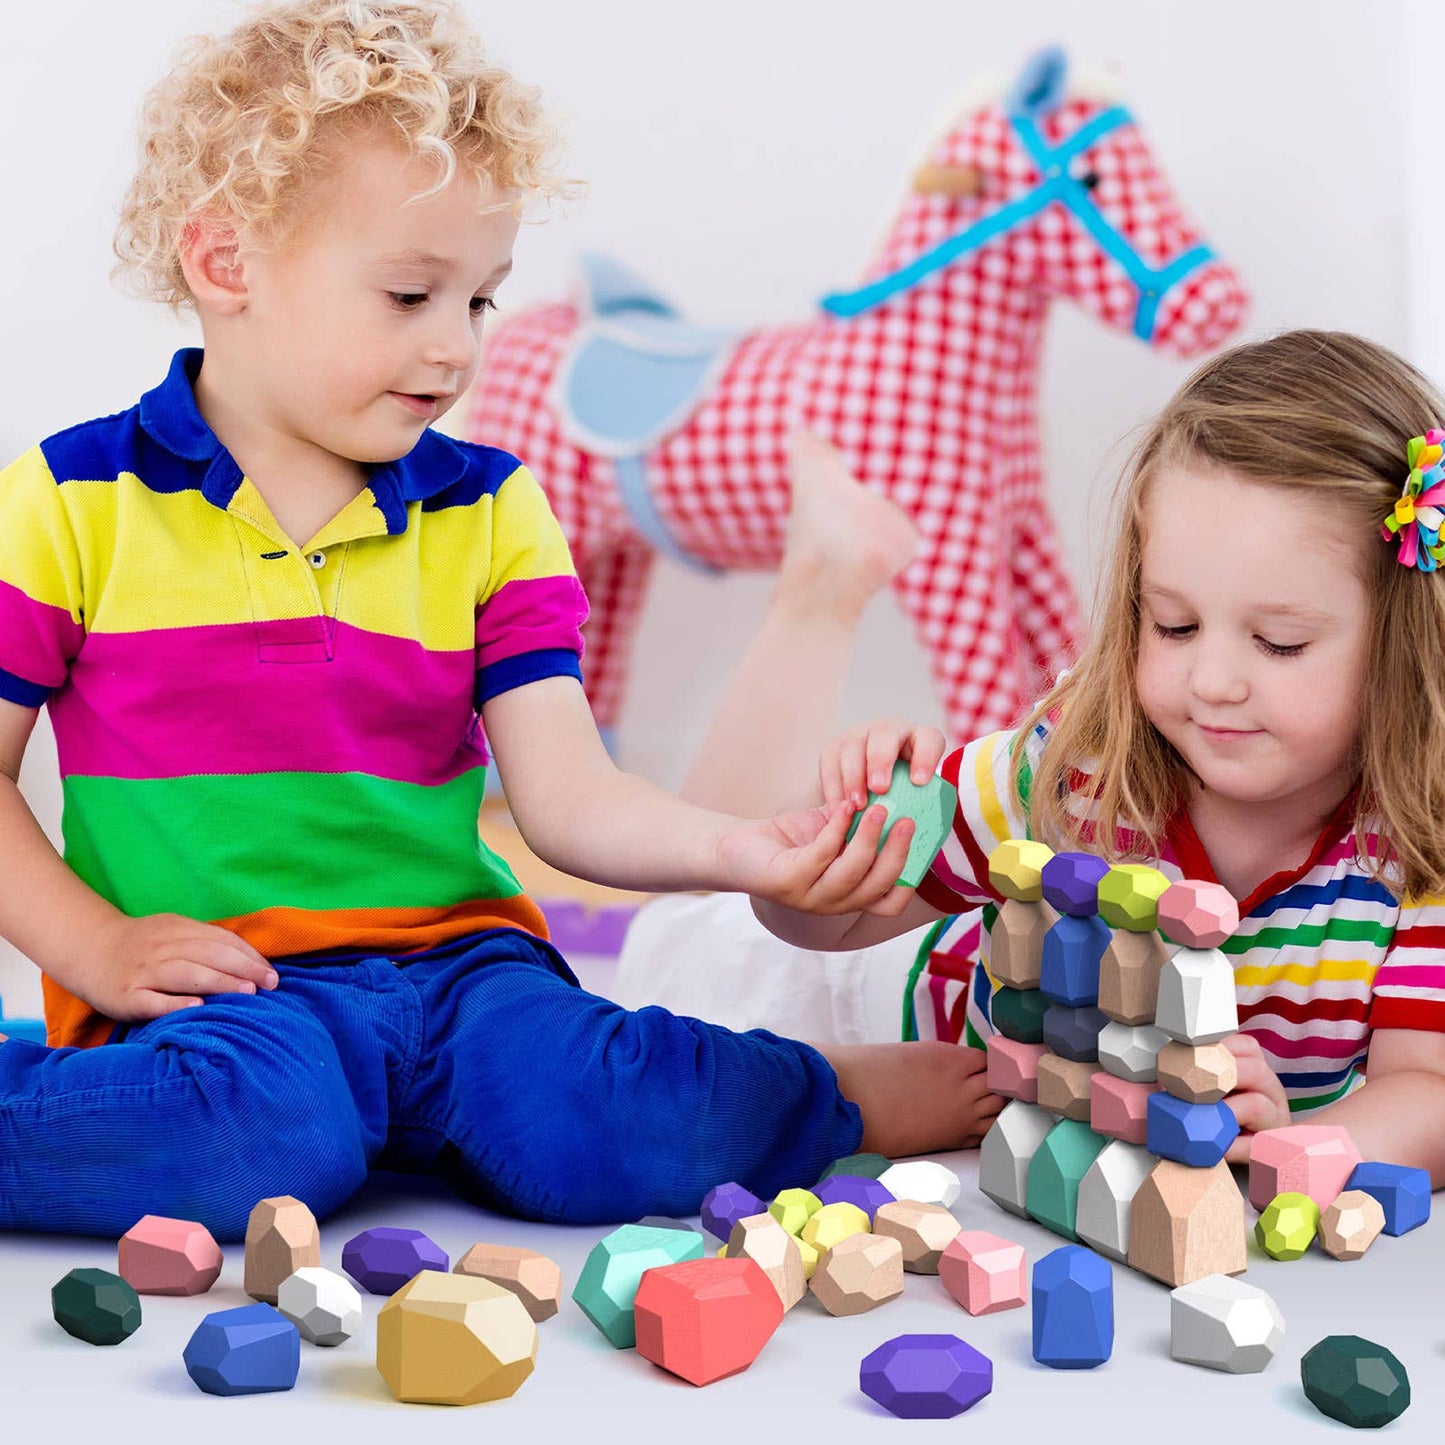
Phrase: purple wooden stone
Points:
(867, 1194)
(1071, 883)
(926, 1377)
(723, 1206)
(382, 1260)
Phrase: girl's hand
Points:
(861, 761)
(155, 965)
(1258, 1100)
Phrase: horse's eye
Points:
(1089, 180)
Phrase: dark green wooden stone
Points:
(1355, 1381)
(96, 1306)
(859, 1166)
(1018, 1014)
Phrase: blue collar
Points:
(169, 415)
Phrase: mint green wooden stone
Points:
(931, 807)
(606, 1289)
(1055, 1171)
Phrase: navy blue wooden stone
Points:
(1355, 1381)
(245, 1351)
(1198, 1135)
(926, 1377)
(868, 1194)
(1018, 1014)
(1071, 883)
(1073, 1033)
(1073, 1296)
(1073, 950)
(724, 1205)
(383, 1260)
(1404, 1193)
(96, 1306)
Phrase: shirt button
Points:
(317, 560)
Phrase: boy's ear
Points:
(211, 263)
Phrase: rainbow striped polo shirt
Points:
(1323, 954)
(280, 740)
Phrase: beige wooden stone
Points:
(1129, 976)
(1016, 943)
(1351, 1224)
(1187, 1223)
(532, 1277)
(1197, 1073)
(858, 1274)
(760, 1238)
(282, 1236)
(1064, 1087)
(924, 1231)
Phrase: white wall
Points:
(741, 155)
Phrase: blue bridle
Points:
(1152, 282)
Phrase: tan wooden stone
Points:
(1064, 1087)
(1016, 943)
(1129, 976)
(1187, 1223)
(1351, 1224)
(924, 1231)
(858, 1274)
(282, 1236)
(760, 1238)
(1197, 1073)
(532, 1277)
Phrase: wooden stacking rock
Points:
(924, 1231)
(282, 1236)
(1351, 1224)
(984, 1273)
(924, 1181)
(793, 1208)
(1106, 1198)
(1288, 1225)
(1197, 1073)
(381, 1260)
(1197, 914)
(1013, 1068)
(725, 1204)
(1131, 1051)
(607, 1285)
(250, 1350)
(1120, 1108)
(157, 1255)
(96, 1306)
(532, 1277)
(1186, 1224)
(1313, 1159)
(1007, 1151)
(831, 1224)
(707, 1318)
(760, 1238)
(925, 1377)
(1064, 1087)
(858, 1274)
(322, 1305)
(1224, 1324)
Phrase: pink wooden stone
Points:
(983, 1273)
(1119, 1107)
(1013, 1068)
(168, 1256)
(1198, 915)
(1313, 1159)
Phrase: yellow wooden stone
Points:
(1016, 868)
(760, 1238)
(923, 1230)
(1197, 1073)
(1065, 1087)
(1351, 1224)
(454, 1339)
(833, 1223)
(810, 1255)
(532, 1277)
(793, 1208)
(859, 1273)
(282, 1236)
(1129, 897)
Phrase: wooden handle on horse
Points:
(957, 182)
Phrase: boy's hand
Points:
(1258, 1099)
(146, 967)
(861, 761)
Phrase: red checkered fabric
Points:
(932, 397)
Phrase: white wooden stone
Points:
(922, 1181)
(1224, 1324)
(1196, 997)
(1106, 1197)
(1007, 1149)
(1131, 1051)
(321, 1304)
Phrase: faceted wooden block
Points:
(866, 1166)
(1073, 1309)
(1129, 897)
(793, 1208)
(1015, 869)
(1055, 1172)
(708, 1318)
(1106, 1198)
(1064, 1087)
(282, 1236)
(810, 1257)
(251, 1350)
(1197, 1001)
(1006, 1152)
(453, 1339)
(858, 1274)
(381, 1260)
(1073, 1033)
(532, 1277)
(1351, 1224)
(607, 1285)
(168, 1256)
(923, 1230)
(1197, 1073)
(1129, 976)
(1313, 1159)
(869, 1195)
(833, 1223)
(1120, 1107)
(725, 1204)
(930, 805)
(925, 1377)
(923, 1181)
(322, 1305)
(1073, 953)
(1355, 1381)
(1224, 1324)
(1198, 915)
(1016, 943)
(1198, 1135)
(1288, 1225)
(984, 1273)
(96, 1306)
(1402, 1192)
(1186, 1224)
(1013, 1068)
(1131, 1051)
(1071, 883)
(760, 1238)
(1018, 1013)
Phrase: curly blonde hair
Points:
(246, 120)
(1325, 415)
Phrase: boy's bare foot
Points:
(916, 1098)
(845, 543)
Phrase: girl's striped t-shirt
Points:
(1324, 953)
(281, 740)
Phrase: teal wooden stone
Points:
(1018, 1013)
(96, 1306)
(1055, 1172)
(931, 806)
(861, 1166)
(606, 1288)
(1355, 1381)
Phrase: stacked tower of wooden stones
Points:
(1112, 1003)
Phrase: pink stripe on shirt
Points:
(534, 614)
(36, 639)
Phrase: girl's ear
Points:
(211, 263)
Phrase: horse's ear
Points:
(1041, 83)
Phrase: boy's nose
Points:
(453, 344)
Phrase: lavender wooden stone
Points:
(868, 1194)
(1071, 883)
(1073, 1290)
(926, 1377)
(723, 1206)
(382, 1260)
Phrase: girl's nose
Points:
(1217, 675)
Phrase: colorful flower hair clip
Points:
(1417, 517)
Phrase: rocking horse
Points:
(651, 435)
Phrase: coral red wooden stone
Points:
(157, 1255)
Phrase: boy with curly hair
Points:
(270, 611)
